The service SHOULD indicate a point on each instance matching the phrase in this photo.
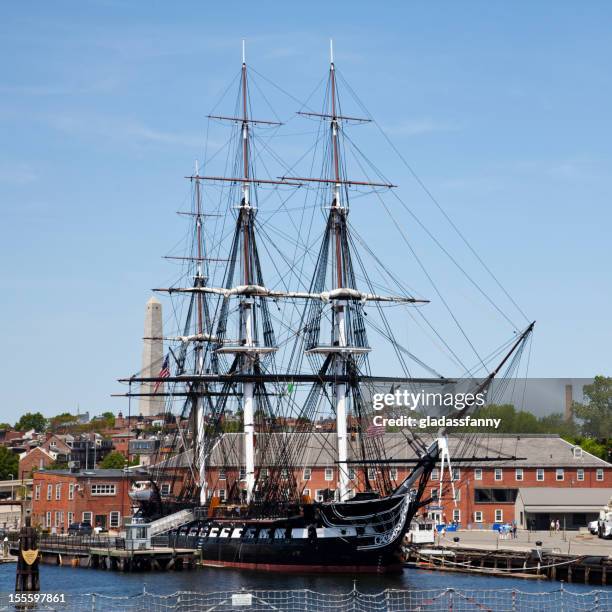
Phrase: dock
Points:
(576, 557)
(111, 553)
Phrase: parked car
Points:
(83, 528)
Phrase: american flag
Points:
(163, 373)
(376, 430)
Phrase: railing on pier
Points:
(304, 600)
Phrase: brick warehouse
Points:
(61, 497)
(487, 492)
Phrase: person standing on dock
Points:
(552, 527)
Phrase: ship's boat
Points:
(259, 368)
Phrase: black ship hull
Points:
(294, 545)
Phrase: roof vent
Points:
(577, 451)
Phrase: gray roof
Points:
(98, 473)
(320, 449)
(564, 497)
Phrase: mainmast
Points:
(247, 303)
(339, 331)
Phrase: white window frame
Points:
(222, 474)
(499, 515)
(500, 472)
(37, 492)
(478, 474)
(307, 474)
(351, 473)
(540, 474)
(435, 494)
(580, 474)
(559, 472)
(435, 474)
(456, 473)
(49, 492)
(393, 474)
(329, 474)
(87, 516)
(372, 473)
(48, 519)
(58, 491)
(164, 490)
(114, 524)
(319, 495)
(71, 488)
(456, 515)
(70, 516)
(457, 496)
(478, 516)
(104, 489)
(242, 473)
(599, 475)
(519, 474)
(306, 493)
(222, 495)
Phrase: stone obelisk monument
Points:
(152, 358)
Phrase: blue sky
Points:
(503, 110)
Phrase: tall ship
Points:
(271, 367)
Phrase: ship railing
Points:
(170, 522)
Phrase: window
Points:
(329, 474)
(435, 474)
(499, 474)
(457, 496)
(48, 519)
(37, 492)
(456, 473)
(372, 473)
(577, 451)
(284, 473)
(222, 494)
(58, 491)
(306, 493)
(351, 473)
(478, 474)
(87, 517)
(518, 474)
(540, 474)
(457, 515)
(478, 516)
(222, 474)
(499, 515)
(307, 475)
(242, 474)
(263, 473)
(49, 492)
(319, 495)
(559, 474)
(59, 518)
(434, 494)
(165, 489)
(393, 473)
(580, 474)
(70, 518)
(495, 496)
(71, 490)
(599, 474)
(104, 489)
(115, 519)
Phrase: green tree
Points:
(9, 463)
(114, 460)
(31, 420)
(596, 412)
(62, 421)
(109, 417)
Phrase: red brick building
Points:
(486, 492)
(61, 497)
(36, 459)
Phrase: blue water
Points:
(82, 580)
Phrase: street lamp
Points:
(12, 484)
